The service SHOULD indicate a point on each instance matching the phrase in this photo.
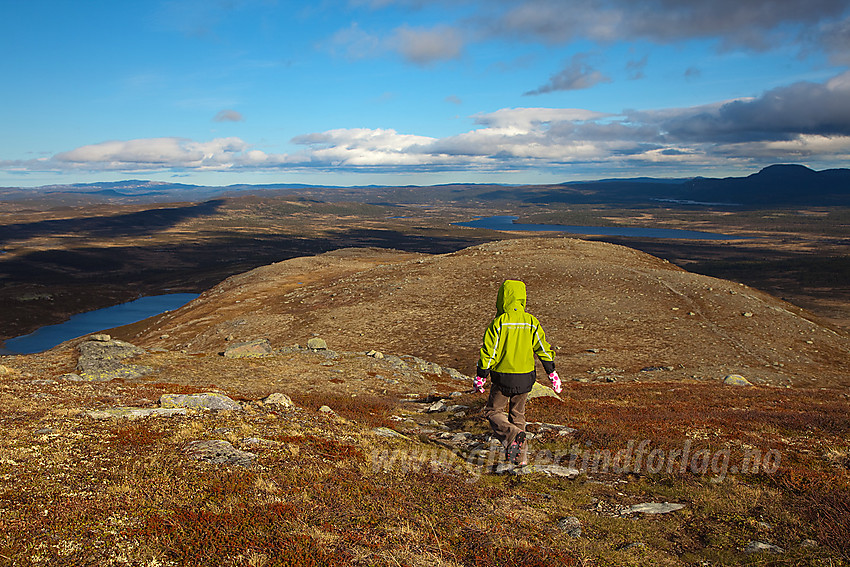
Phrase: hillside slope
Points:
(612, 312)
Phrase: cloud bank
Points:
(797, 122)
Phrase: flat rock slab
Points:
(548, 470)
(654, 508)
(133, 413)
(218, 452)
(210, 401)
(762, 547)
(249, 349)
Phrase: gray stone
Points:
(437, 407)
(736, 380)
(548, 470)
(635, 545)
(375, 354)
(102, 360)
(210, 401)
(249, 349)
(102, 337)
(218, 452)
(455, 375)
(570, 525)
(134, 413)
(808, 543)
(326, 409)
(538, 390)
(387, 432)
(654, 508)
(282, 401)
(760, 546)
(317, 343)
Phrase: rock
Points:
(747, 314)
(218, 452)
(760, 546)
(103, 338)
(387, 432)
(44, 431)
(210, 401)
(133, 413)
(282, 401)
(538, 390)
(375, 354)
(437, 407)
(426, 367)
(249, 349)
(326, 409)
(635, 545)
(4, 370)
(317, 343)
(570, 525)
(808, 543)
(71, 377)
(101, 360)
(548, 470)
(654, 508)
(456, 375)
(736, 380)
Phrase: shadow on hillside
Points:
(59, 283)
(138, 223)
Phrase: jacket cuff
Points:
(548, 366)
(482, 372)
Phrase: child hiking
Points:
(507, 357)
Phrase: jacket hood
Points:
(511, 296)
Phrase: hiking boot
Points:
(515, 448)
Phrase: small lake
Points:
(93, 321)
(506, 222)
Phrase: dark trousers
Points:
(506, 415)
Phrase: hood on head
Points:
(511, 295)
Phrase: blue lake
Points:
(93, 321)
(506, 222)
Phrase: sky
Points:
(398, 92)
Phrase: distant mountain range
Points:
(776, 185)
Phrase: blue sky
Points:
(349, 92)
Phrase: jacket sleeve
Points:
(489, 354)
(542, 349)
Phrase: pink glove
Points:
(479, 382)
(556, 382)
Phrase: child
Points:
(507, 355)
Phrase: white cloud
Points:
(802, 121)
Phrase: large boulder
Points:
(209, 400)
(249, 349)
(102, 359)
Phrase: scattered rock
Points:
(375, 354)
(548, 470)
(654, 508)
(808, 543)
(317, 343)
(218, 452)
(635, 545)
(101, 360)
(282, 401)
(747, 314)
(103, 338)
(133, 413)
(71, 377)
(44, 431)
(387, 432)
(570, 525)
(5, 370)
(210, 401)
(760, 546)
(538, 390)
(326, 409)
(249, 349)
(736, 380)
(456, 375)
(437, 407)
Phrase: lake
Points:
(92, 321)
(506, 222)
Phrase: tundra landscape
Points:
(313, 405)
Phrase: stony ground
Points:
(383, 457)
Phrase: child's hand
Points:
(478, 383)
(556, 382)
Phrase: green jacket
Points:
(511, 341)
